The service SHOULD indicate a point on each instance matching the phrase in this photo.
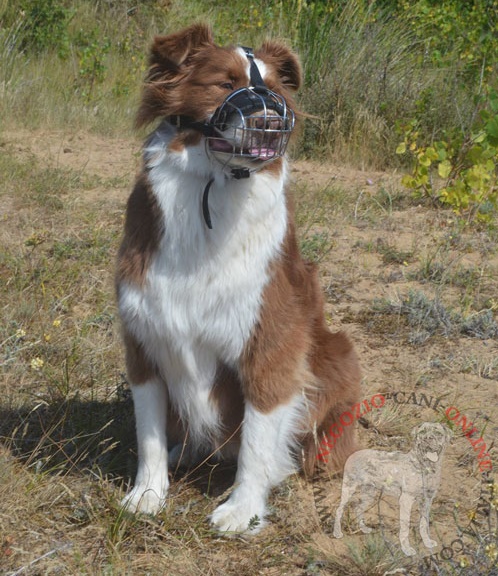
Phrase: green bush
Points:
(368, 65)
(46, 26)
(461, 172)
(92, 63)
(462, 31)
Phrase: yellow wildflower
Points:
(37, 363)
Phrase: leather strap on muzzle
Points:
(183, 122)
(256, 78)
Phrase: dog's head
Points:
(431, 439)
(239, 102)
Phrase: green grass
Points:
(372, 558)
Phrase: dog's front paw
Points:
(238, 515)
(144, 499)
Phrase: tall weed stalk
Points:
(10, 58)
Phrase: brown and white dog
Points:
(226, 345)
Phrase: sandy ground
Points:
(379, 241)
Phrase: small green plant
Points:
(46, 26)
(254, 522)
(372, 558)
(316, 246)
(461, 172)
(429, 317)
(391, 254)
(92, 66)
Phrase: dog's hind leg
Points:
(337, 371)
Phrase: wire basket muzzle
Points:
(251, 128)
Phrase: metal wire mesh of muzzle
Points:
(251, 128)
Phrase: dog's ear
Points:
(169, 53)
(285, 62)
(169, 61)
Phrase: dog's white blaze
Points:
(263, 70)
(203, 291)
(265, 459)
(246, 62)
(261, 67)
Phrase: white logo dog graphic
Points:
(412, 476)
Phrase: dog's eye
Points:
(227, 85)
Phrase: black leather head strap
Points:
(183, 122)
(256, 78)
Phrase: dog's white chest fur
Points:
(203, 291)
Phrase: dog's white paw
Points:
(145, 499)
(236, 515)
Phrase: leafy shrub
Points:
(370, 64)
(46, 26)
(461, 172)
(92, 66)
(465, 29)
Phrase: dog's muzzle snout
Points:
(251, 127)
